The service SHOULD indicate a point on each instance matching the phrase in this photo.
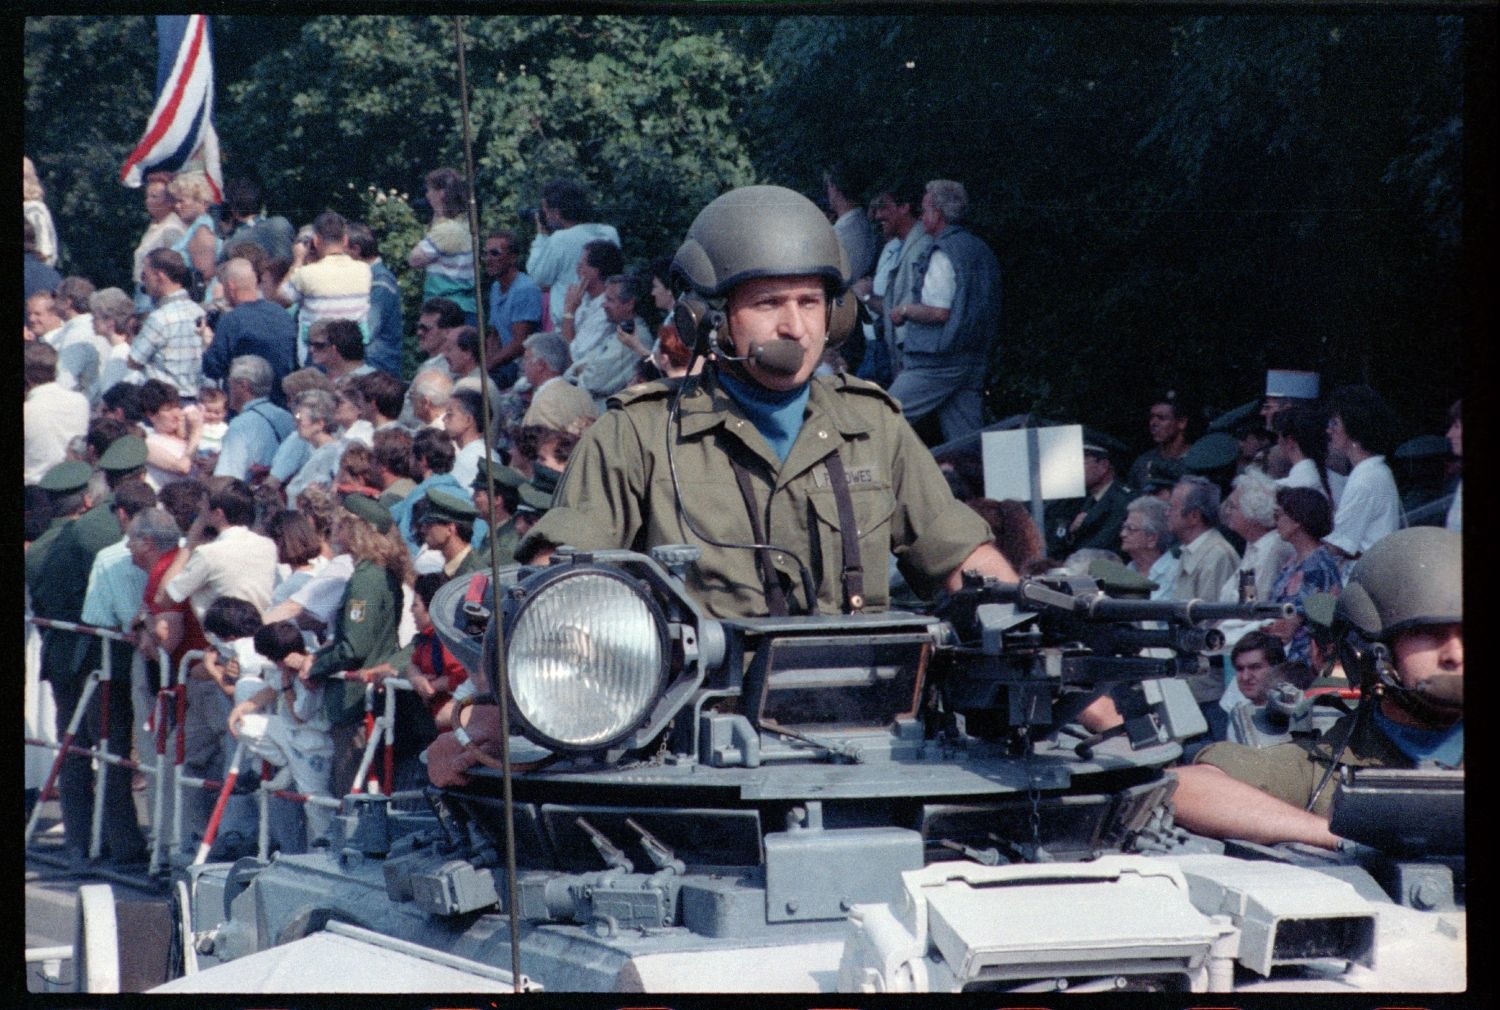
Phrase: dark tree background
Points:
(1175, 200)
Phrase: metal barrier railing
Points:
(101, 680)
(168, 721)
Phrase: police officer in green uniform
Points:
(57, 574)
(822, 472)
(1403, 609)
(1094, 520)
(499, 512)
(797, 489)
(365, 627)
(447, 526)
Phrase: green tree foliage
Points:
(1182, 201)
(83, 116)
(642, 110)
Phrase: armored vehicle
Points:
(893, 802)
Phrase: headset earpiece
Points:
(696, 317)
(843, 317)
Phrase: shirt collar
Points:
(707, 405)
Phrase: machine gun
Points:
(1033, 655)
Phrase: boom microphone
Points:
(783, 357)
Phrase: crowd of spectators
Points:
(223, 458)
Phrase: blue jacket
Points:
(262, 328)
(383, 349)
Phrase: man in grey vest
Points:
(952, 321)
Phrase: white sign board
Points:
(1007, 463)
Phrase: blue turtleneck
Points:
(776, 415)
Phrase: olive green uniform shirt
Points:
(1291, 771)
(57, 573)
(617, 493)
(506, 540)
(472, 561)
(397, 492)
(364, 634)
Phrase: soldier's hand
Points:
(449, 759)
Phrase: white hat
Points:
(1292, 384)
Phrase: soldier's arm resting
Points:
(985, 560)
(1210, 802)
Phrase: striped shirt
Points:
(168, 347)
(334, 287)
(450, 266)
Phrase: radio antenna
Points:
(501, 682)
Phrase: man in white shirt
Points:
(898, 211)
(610, 366)
(1363, 427)
(52, 415)
(583, 323)
(1207, 561)
(80, 351)
(562, 230)
(224, 557)
(851, 226)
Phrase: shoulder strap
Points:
(267, 418)
(770, 581)
(853, 574)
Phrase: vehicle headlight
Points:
(587, 657)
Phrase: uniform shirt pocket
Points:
(873, 505)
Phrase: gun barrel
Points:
(1032, 594)
(1177, 611)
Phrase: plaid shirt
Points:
(168, 346)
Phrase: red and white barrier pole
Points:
(218, 815)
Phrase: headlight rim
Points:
(523, 596)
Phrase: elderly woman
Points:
(1303, 519)
(172, 434)
(316, 414)
(1250, 512)
(112, 309)
(1145, 540)
(200, 244)
(351, 410)
(446, 252)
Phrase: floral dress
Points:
(1316, 573)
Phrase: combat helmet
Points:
(1410, 578)
(757, 231)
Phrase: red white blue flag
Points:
(181, 128)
